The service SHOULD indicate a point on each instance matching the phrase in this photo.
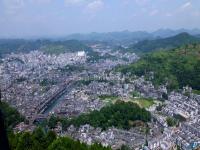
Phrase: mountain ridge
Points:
(164, 43)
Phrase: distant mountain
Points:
(128, 37)
(163, 33)
(165, 43)
(19, 45)
(124, 36)
(198, 36)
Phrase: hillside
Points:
(176, 68)
(20, 45)
(11, 115)
(165, 43)
(40, 138)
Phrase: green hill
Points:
(119, 115)
(64, 46)
(40, 138)
(176, 68)
(166, 43)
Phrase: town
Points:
(67, 85)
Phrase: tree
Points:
(124, 147)
(3, 134)
(12, 118)
(171, 121)
(118, 115)
(25, 142)
(65, 143)
(38, 137)
(52, 122)
(50, 137)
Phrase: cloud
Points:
(141, 2)
(153, 12)
(73, 2)
(186, 5)
(41, 1)
(196, 13)
(95, 5)
(12, 6)
(168, 14)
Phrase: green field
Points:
(144, 103)
(110, 99)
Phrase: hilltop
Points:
(165, 43)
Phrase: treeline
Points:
(120, 115)
(177, 67)
(41, 140)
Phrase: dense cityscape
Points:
(99, 75)
(41, 85)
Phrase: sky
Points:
(40, 18)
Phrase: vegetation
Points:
(176, 68)
(40, 140)
(118, 115)
(135, 94)
(196, 92)
(11, 115)
(71, 68)
(166, 43)
(18, 45)
(68, 144)
(103, 97)
(109, 98)
(46, 82)
(64, 46)
(144, 102)
(171, 122)
(96, 56)
(160, 107)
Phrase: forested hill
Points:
(20, 45)
(40, 139)
(165, 43)
(177, 67)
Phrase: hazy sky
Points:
(21, 18)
